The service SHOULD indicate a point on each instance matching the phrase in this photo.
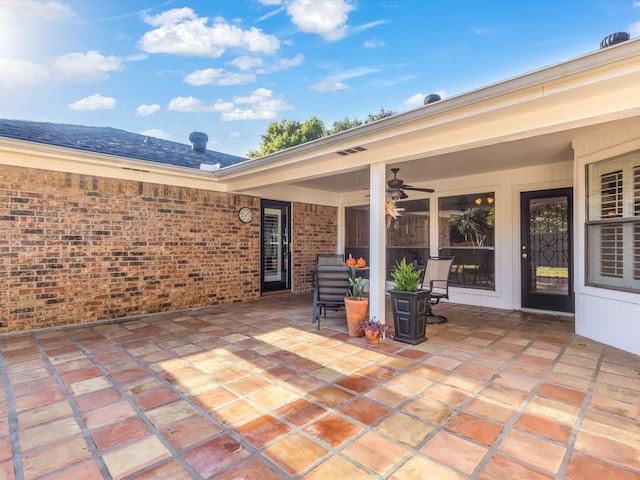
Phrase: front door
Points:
(275, 252)
(546, 250)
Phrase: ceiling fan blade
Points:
(418, 189)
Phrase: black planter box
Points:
(410, 310)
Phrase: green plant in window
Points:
(474, 224)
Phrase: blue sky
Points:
(229, 68)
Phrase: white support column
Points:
(377, 241)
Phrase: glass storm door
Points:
(546, 250)
(275, 254)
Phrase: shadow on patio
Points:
(254, 391)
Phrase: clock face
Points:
(245, 214)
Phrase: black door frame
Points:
(539, 300)
(284, 236)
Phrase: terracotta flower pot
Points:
(356, 312)
(373, 338)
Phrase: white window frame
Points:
(614, 264)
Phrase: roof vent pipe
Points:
(614, 38)
(199, 141)
(433, 97)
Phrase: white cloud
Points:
(335, 81)
(18, 73)
(82, 67)
(246, 62)
(329, 86)
(181, 32)
(270, 2)
(259, 105)
(192, 104)
(156, 133)
(634, 28)
(327, 18)
(146, 110)
(283, 64)
(234, 135)
(94, 102)
(44, 10)
(374, 43)
(218, 76)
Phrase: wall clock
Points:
(245, 214)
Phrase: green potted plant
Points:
(373, 329)
(356, 306)
(409, 304)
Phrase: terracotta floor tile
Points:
(295, 454)
(171, 413)
(377, 372)
(410, 382)
(262, 431)
(119, 433)
(560, 411)
(190, 432)
(79, 376)
(155, 398)
(535, 451)
(365, 411)
(392, 396)
(612, 426)
(38, 399)
(333, 430)
(504, 468)
(337, 468)
(615, 392)
(584, 467)
(108, 414)
(375, 452)
(54, 458)
(331, 396)
(617, 451)
(171, 470)
(428, 410)
(82, 471)
(455, 452)
(300, 412)
(237, 413)
(251, 469)
(614, 407)
(272, 397)
(6, 450)
(46, 433)
(248, 385)
(89, 385)
(357, 383)
(405, 429)
(504, 394)
(98, 399)
(215, 398)
(421, 468)
(544, 427)
(447, 394)
(135, 456)
(46, 413)
(475, 428)
(562, 394)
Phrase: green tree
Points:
(289, 133)
(345, 124)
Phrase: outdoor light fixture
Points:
(395, 193)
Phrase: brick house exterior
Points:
(78, 248)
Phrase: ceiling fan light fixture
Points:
(395, 193)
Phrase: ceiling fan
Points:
(396, 187)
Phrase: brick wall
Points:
(314, 231)
(77, 248)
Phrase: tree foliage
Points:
(289, 133)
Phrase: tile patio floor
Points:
(254, 391)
